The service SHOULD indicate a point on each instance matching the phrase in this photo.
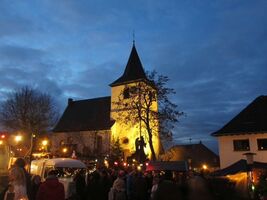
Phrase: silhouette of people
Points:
(21, 163)
(51, 188)
(17, 184)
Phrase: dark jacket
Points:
(51, 189)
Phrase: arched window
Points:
(125, 140)
(126, 93)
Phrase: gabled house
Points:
(246, 133)
(198, 156)
(90, 126)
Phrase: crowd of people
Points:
(107, 184)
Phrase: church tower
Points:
(126, 91)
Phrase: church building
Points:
(91, 126)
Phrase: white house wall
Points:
(226, 149)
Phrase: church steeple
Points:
(134, 70)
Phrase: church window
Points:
(99, 144)
(125, 140)
(126, 93)
(70, 140)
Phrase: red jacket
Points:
(51, 189)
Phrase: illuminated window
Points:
(241, 145)
(262, 144)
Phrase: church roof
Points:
(251, 120)
(134, 70)
(86, 115)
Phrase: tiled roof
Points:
(86, 115)
(198, 153)
(251, 120)
(134, 70)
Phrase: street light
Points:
(44, 142)
(64, 150)
(44, 145)
(18, 138)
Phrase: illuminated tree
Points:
(146, 104)
(28, 111)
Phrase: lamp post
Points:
(250, 161)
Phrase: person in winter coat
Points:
(17, 184)
(35, 184)
(51, 188)
(119, 187)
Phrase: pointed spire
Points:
(133, 70)
(133, 38)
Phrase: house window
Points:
(262, 144)
(241, 145)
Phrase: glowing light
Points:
(18, 138)
(253, 187)
(204, 167)
(146, 164)
(1, 142)
(106, 163)
(115, 163)
(124, 164)
(45, 142)
(64, 150)
(3, 136)
(139, 168)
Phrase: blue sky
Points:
(214, 52)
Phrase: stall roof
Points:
(239, 166)
(180, 166)
(65, 162)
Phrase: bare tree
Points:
(168, 112)
(139, 104)
(28, 111)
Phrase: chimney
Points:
(70, 100)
